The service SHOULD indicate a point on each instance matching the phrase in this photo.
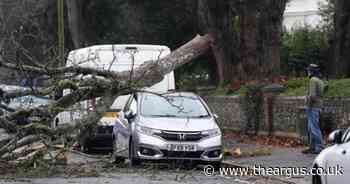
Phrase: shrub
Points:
(302, 46)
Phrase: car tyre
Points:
(85, 148)
(316, 179)
(132, 155)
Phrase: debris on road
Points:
(250, 152)
(273, 140)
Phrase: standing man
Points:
(314, 105)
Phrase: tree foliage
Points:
(25, 36)
(302, 46)
(134, 21)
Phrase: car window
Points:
(177, 106)
(131, 105)
(120, 102)
(346, 136)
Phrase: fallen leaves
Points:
(251, 152)
(257, 145)
(237, 152)
(61, 158)
(274, 141)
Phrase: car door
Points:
(340, 158)
(122, 129)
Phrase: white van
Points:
(114, 58)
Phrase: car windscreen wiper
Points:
(200, 116)
(164, 115)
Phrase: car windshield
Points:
(172, 106)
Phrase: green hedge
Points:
(336, 88)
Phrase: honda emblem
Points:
(182, 137)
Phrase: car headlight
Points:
(212, 132)
(147, 131)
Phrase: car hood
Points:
(178, 124)
(321, 159)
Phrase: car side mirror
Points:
(215, 116)
(130, 114)
(336, 137)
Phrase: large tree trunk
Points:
(1, 28)
(249, 42)
(342, 39)
(254, 47)
(270, 25)
(216, 17)
(76, 22)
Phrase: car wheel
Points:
(133, 160)
(85, 148)
(316, 179)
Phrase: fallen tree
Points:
(106, 85)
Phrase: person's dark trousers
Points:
(315, 134)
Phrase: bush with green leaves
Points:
(302, 46)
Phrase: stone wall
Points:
(228, 109)
(288, 113)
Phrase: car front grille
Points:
(182, 154)
(181, 136)
(104, 129)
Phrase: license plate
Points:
(182, 147)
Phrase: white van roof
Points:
(118, 58)
(123, 46)
(115, 57)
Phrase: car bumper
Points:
(158, 148)
(100, 142)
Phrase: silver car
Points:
(172, 126)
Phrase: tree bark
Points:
(342, 39)
(2, 28)
(270, 25)
(249, 45)
(217, 18)
(16, 144)
(76, 22)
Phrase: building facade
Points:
(299, 13)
